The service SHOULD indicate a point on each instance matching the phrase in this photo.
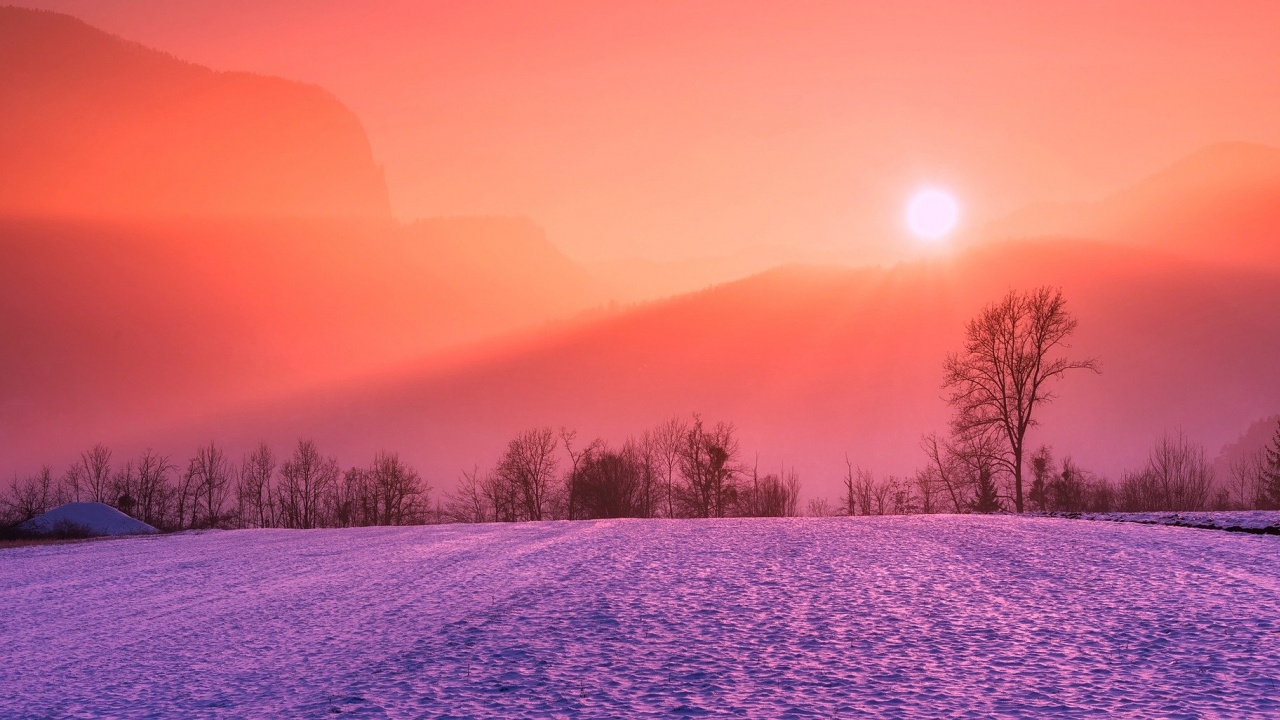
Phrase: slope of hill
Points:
(1218, 204)
(91, 124)
(814, 363)
(1254, 439)
(111, 324)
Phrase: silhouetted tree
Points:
(528, 469)
(90, 477)
(864, 489)
(882, 493)
(646, 453)
(1176, 477)
(1067, 490)
(1001, 377)
(210, 477)
(467, 503)
(927, 487)
(708, 468)
(401, 494)
(253, 488)
(1269, 477)
(985, 497)
(154, 492)
(569, 438)
(124, 488)
(305, 479)
(949, 471)
(819, 507)
(607, 483)
(1041, 470)
(31, 496)
(668, 440)
(849, 499)
(769, 496)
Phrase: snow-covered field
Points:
(896, 616)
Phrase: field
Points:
(895, 616)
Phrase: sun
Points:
(932, 214)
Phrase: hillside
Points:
(114, 326)
(814, 363)
(91, 124)
(1216, 205)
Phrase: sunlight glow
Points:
(932, 214)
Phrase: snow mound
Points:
(91, 519)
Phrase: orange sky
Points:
(671, 130)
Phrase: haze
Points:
(762, 132)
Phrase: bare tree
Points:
(467, 503)
(154, 494)
(124, 488)
(253, 489)
(820, 507)
(882, 492)
(210, 474)
(1041, 474)
(569, 438)
(185, 497)
(948, 470)
(996, 383)
(607, 483)
(305, 479)
(354, 500)
(402, 496)
(927, 487)
(31, 496)
(668, 441)
(1176, 477)
(89, 478)
(647, 454)
(503, 496)
(770, 496)
(864, 490)
(708, 468)
(529, 467)
(1247, 480)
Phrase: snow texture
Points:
(1262, 522)
(894, 616)
(91, 518)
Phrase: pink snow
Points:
(896, 616)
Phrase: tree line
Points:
(681, 468)
(1013, 355)
(687, 468)
(306, 489)
(1175, 477)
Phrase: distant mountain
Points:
(1255, 438)
(107, 325)
(1220, 204)
(91, 124)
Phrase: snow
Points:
(896, 616)
(1255, 521)
(92, 518)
